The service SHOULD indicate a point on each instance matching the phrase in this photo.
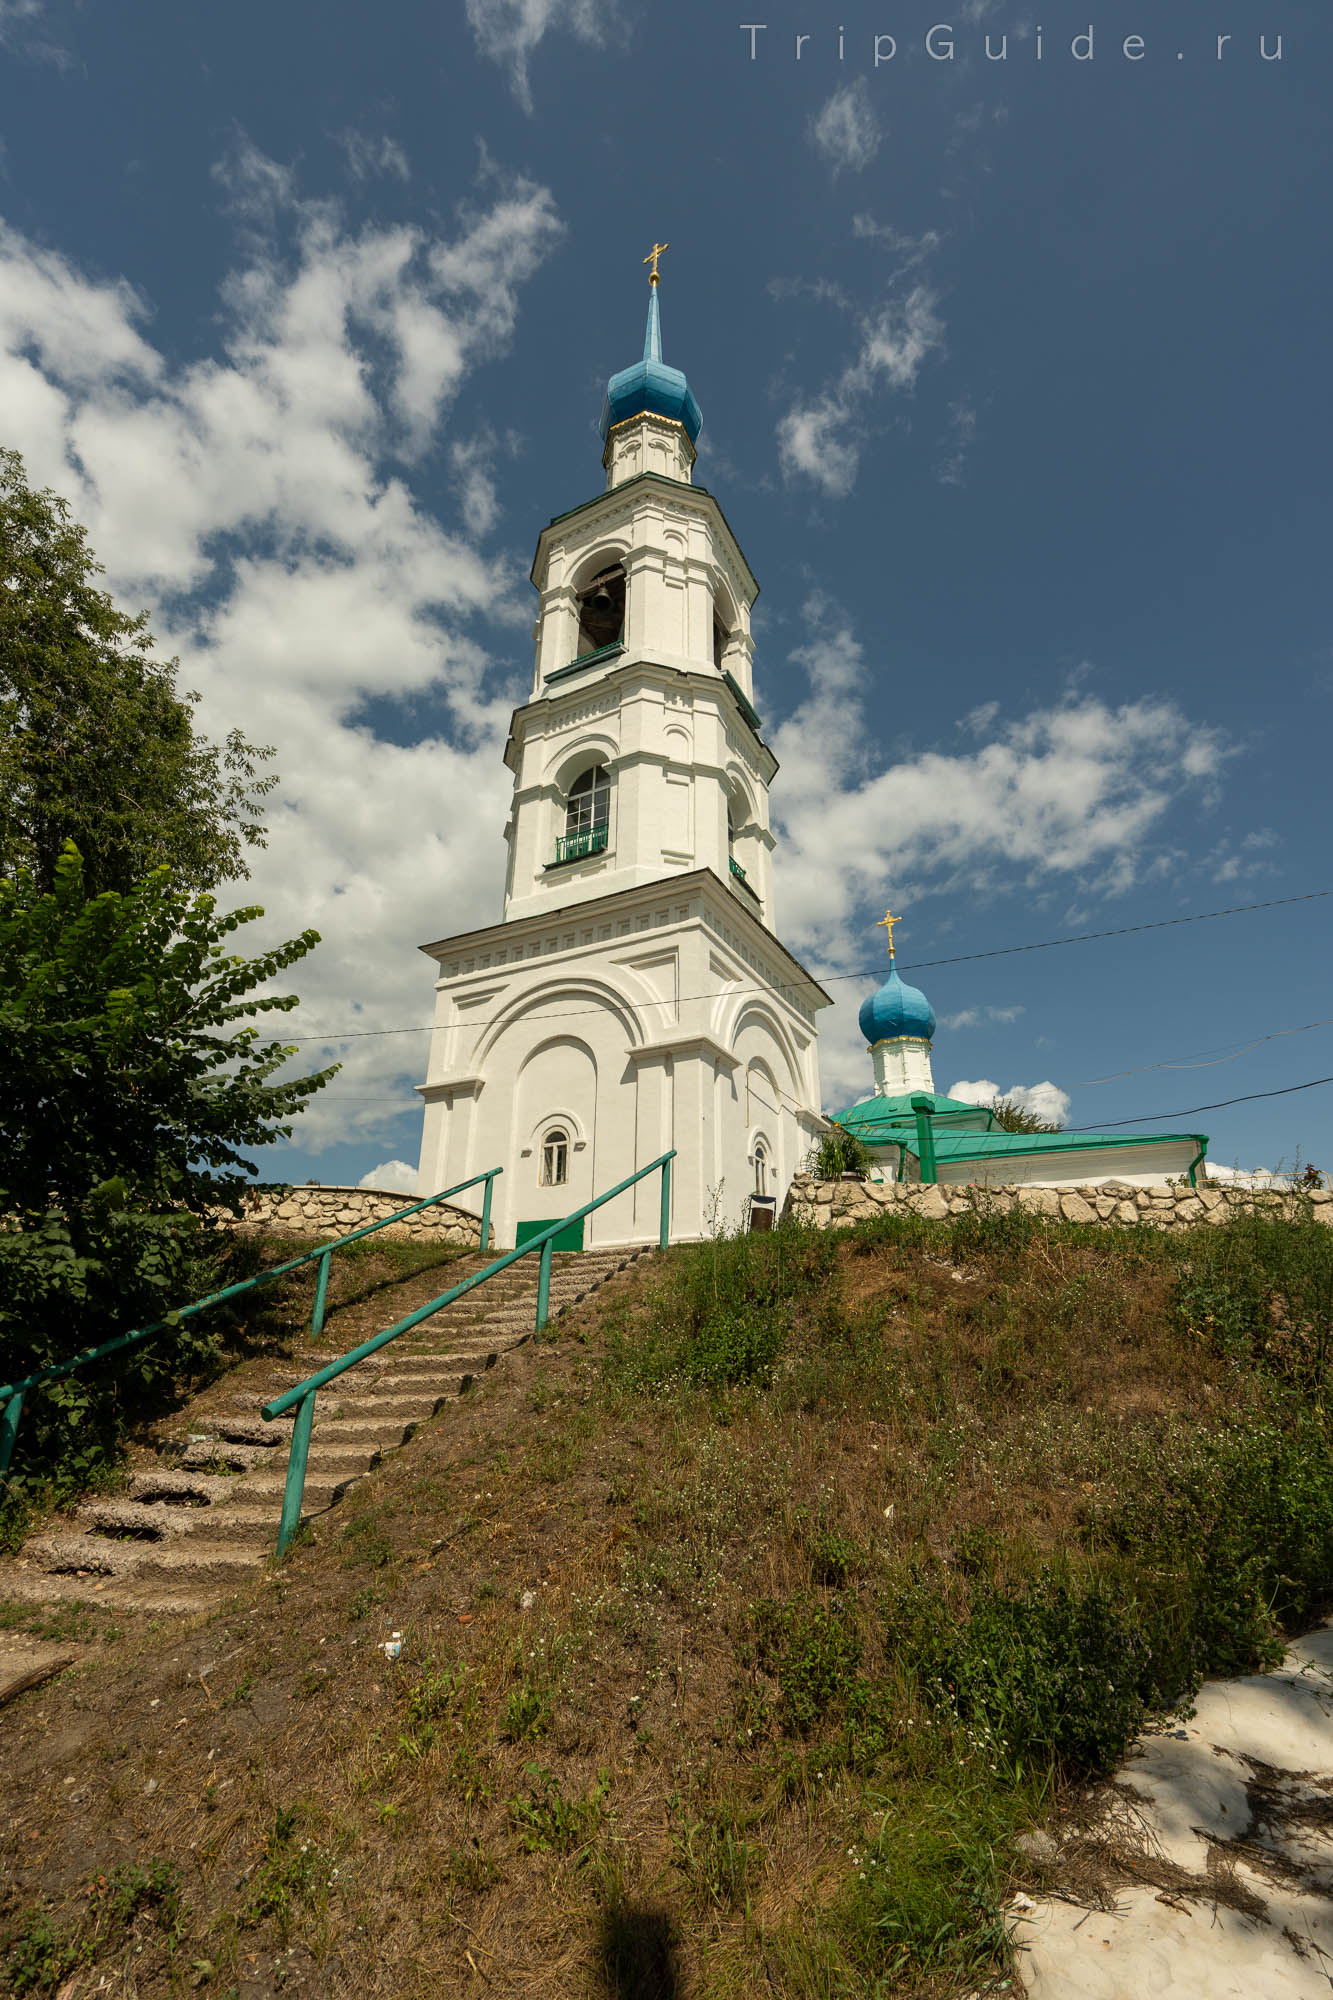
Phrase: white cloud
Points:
(255, 500)
(846, 130)
(957, 442)
(1040, 1100)
(509, 30)
(393, 1176)
(820, 439)
(1078, 792)
(973, 1017)
(912, 249)
(366, 156)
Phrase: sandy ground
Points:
(1239, 1798)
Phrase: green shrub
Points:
(812, 1652)
(838, 1151)
(1054, 1672)
(925, 1889)
(1261, 1291)
(1235, 1542)
(42, 1955)
(722, 1310)
(547, 1820)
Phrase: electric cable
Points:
(829, 979)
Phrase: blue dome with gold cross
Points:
(650, 385)
(897, 1009)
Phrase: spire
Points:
(652, 339)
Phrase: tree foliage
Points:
(132, 1085)
(96, 744)
(1010, 1117)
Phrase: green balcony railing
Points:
(574, 846)
(12, 1395)
(302, 1397)
(739, 875)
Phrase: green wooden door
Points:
(568, 1239)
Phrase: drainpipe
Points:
(925, 1137)
(1197, 1161)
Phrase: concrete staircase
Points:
(201, 1514)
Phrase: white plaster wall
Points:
(635, 1032)
(1137, 1166)
(676, 761)
(901, 1065)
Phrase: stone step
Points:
(188, 1532)
(22, 1585)
(321, 1488)
(155, 1562)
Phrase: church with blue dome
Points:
(913, 1132)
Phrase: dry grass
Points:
(583, 1777)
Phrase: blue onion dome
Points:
(897, 1009)
(651, 385)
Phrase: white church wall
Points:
(616, 1007)
(1144, 1166)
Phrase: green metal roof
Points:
(996, 1145)
(877, 1111)
(888, 1121)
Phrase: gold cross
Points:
(886, 923)
(652, 258)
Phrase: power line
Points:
(1127, 930)
(1155, 1117)
(862, 972)
(1206, 1059)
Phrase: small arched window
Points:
(588, 813)
(555, 1158)
(720, 638)
(760, 1170)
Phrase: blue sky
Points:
(1014, 380)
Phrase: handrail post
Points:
(664, 1231)
(486, 1213)
(294, 1491)
(9, 1423)
(544, 1285)
(321, 1294)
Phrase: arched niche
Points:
(600, 591)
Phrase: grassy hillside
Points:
(742, 1634)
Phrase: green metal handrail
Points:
(302, 1396)
(12, 1395)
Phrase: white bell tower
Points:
(635, 995)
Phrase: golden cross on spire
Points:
(886, 923)
(652, 258)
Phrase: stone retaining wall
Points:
(335, 1211)
(837, 1204)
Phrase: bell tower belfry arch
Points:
(639, 887)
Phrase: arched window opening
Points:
(737, 872)
(587, 815)
(720, 639)
(555, 1158)
(760, 1170)
(602, 611)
